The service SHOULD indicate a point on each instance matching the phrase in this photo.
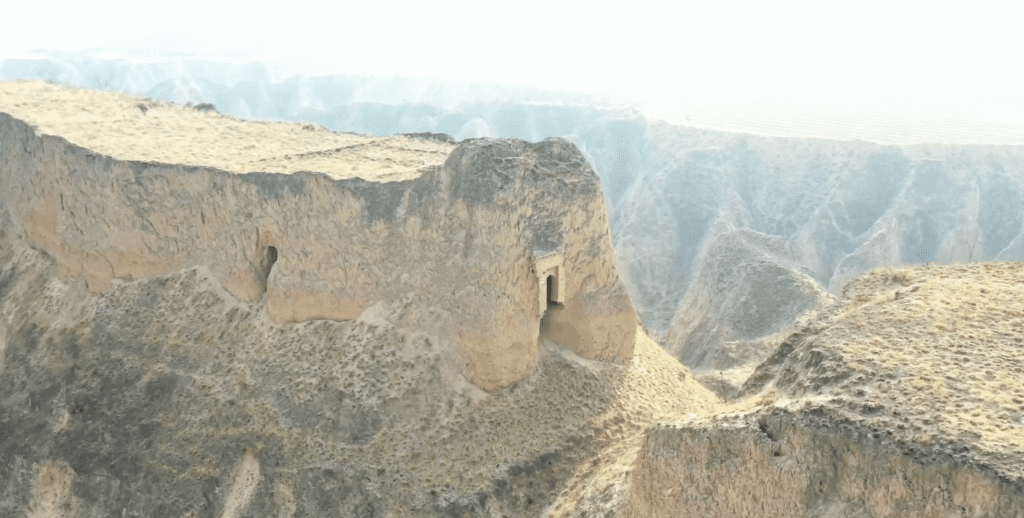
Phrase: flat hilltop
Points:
(931, 354)
(905, 399)
(147, 130)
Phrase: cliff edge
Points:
(456, 241)
(201, 316)
(903, 400)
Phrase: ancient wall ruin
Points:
(449, 252)
(784, 463)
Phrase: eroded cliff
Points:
(903, 400)
(206, 317)
(451, 234)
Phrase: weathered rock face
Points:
(807, 462)
(182, 336)
(904, 400)
(198, 340)
(844, 207)
(453, 245)
(167, 396)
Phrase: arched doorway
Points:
(550, 281)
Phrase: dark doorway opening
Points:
(551, 291)
(271, 258)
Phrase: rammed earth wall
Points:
(450, 252)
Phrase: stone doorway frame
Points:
(546, 265)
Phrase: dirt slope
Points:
(148, 252)
(904, 400)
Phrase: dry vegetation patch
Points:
(147, 130)
(654, 387)
(932, 354)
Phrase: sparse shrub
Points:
(900, 277)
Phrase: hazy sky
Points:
(883, 55)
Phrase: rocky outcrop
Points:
(901, 401)
(167, 396)
(808, 462)
(421, 329)
(455, 244)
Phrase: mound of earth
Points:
(904, 400)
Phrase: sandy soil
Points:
(147, 130)
(654, 387)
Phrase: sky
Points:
(963, 57)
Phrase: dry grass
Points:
(654, 387)
(133, 128)
(932, 353)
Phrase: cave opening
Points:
(271, 258)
